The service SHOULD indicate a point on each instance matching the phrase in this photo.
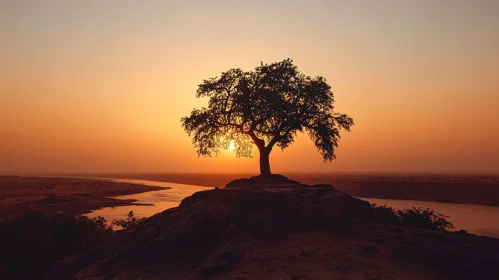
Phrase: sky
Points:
(100, 86)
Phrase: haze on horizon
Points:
(93, 86)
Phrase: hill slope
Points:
(274, 228)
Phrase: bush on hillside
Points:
(130, 223)
(31, 244)
(414, 217)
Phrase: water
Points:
(476, 219)
(158, 200)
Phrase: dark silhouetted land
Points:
(258, 228)
(280, 229)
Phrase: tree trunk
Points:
(264, 162)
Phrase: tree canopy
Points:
(265, 107)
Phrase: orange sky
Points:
(87, 86)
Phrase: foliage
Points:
(130, 223)
(415, 217)
(265, 107)
(37, 241)
(425, 218)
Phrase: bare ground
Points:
(20, 195)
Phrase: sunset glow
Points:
(262, 139)
(88, 86)
(232, 146)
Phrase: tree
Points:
(265, 107)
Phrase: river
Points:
(159, 201)
(476, 219)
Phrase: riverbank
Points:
(73, 196)
(467, 189)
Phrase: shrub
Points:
(414, 217)
(424, 218)
(130, 223)
(38, 241)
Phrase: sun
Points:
(232, 146)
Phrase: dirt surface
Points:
(472, 189)
(280, 229)
(19, 195)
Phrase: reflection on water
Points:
(476, 219)
(158, 200)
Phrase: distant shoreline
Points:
(247, 174)
(461, 189)
(73, 196)
(464, 189)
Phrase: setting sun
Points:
(232, 146)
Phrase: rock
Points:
(221, 263)
(274, 181)
(369, 249)
(262, 226)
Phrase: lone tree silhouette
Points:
(265, 107)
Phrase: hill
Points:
(275, 228)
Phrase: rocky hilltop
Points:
(275, 228)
